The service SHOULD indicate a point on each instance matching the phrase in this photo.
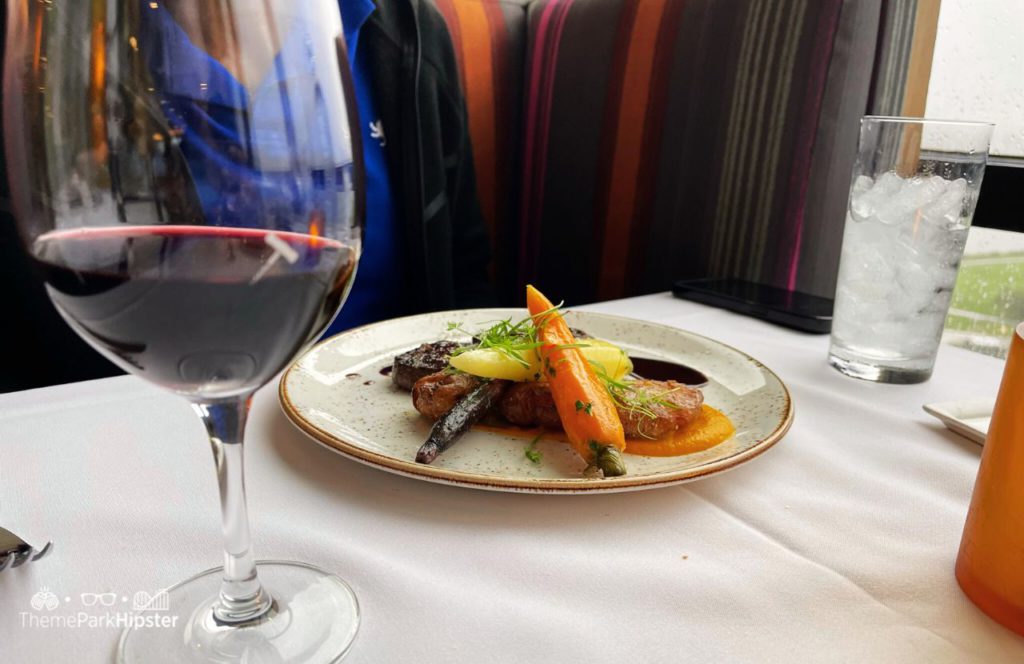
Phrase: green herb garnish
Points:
(515, 339)
(585, 407)
(633, 399)
(532, 453)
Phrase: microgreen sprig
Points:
(514, 339)
(532, 453)
(633, 399)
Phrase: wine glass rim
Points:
(927, 121)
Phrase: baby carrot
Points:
(586, 409)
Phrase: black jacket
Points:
(415, 83)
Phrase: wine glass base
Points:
(314, 619)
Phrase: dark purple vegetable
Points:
(455, 422)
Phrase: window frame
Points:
(1001, 196)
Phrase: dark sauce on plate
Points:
(662, 370)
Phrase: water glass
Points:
(914, 190)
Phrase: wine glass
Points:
(187, 180)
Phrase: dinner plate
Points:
(339, 394)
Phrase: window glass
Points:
(978, 74)
(978, 68)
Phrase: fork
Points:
(15, 551)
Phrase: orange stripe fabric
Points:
(647, 178)
(500, 162)
(626, 155)
(478, 69)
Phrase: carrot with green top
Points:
(586, 409)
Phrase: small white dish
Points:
(339, 394)
(969, 418)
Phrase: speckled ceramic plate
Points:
(336, 393)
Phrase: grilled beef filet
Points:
(530, 404)
(412, 365)
(685, 406)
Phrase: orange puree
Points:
(709, 429)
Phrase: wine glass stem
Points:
(242, 598)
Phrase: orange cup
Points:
(990, 567)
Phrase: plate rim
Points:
(459, 478)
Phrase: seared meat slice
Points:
(530, 404)
(436, 394)
(412, 365)
(686, 403)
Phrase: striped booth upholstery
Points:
(490, 45)
(623, 144)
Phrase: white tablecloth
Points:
(837, 545)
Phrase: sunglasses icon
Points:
(104, 599)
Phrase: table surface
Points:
(836, 545)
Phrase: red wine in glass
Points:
(196, 309)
